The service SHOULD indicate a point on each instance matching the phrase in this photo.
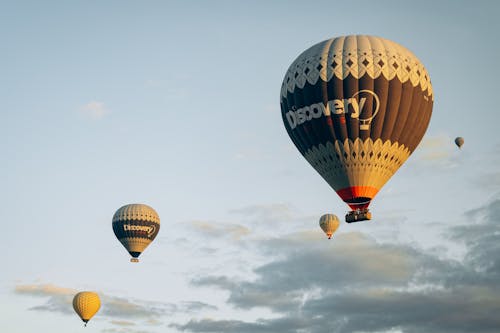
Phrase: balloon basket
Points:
(134, 260)
(358, 216)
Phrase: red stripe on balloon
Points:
(358, 196)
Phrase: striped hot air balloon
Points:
(329, 223)
(356, 107)
(86, 304)
(459, 141)
(136, 226)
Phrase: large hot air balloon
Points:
(356, 107)
(459, 141)
(136, 226)
(86, 305)
(329, 223)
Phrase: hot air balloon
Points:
(356, 107)
(86, 305)
(136, 226)
(329, 223)
(459, 141)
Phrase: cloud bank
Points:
(355, 284)
(119, 311)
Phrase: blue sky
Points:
(176, 104)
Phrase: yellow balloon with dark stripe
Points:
(329, 223)
(86, 305)
(136, 226)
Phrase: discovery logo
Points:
(148, 229)
(338, 107)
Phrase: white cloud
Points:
(44, 290)
(122, 323)
(94, 110)
(219, 229)
(436, 149)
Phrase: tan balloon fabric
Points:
(359, 163)
(356, 56)
(86, 304)
(329, 223)
(136, 212)
(135, 244)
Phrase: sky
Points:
(175, 104)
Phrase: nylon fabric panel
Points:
(413, 115)
(421, 124)
(351, 84)
(366, 83)
(135, 244)
(327, 120)
(381, 89)
(298, 102)
(324, 69)
(312, 95)
(336, 91)
(403, 111)
(336, 87)
(394, 97)
(297, 139)
(385, 86)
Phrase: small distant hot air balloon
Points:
(329, 223)
(136, 226)
(356, 107)
(86, 305)
(459, 141)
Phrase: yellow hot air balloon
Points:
(329, 223)
(136, 226)
(86, 305)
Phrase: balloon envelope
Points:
(459, 141)
(136, 226)
(86, 304)
(356, 107)
(329, 223)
